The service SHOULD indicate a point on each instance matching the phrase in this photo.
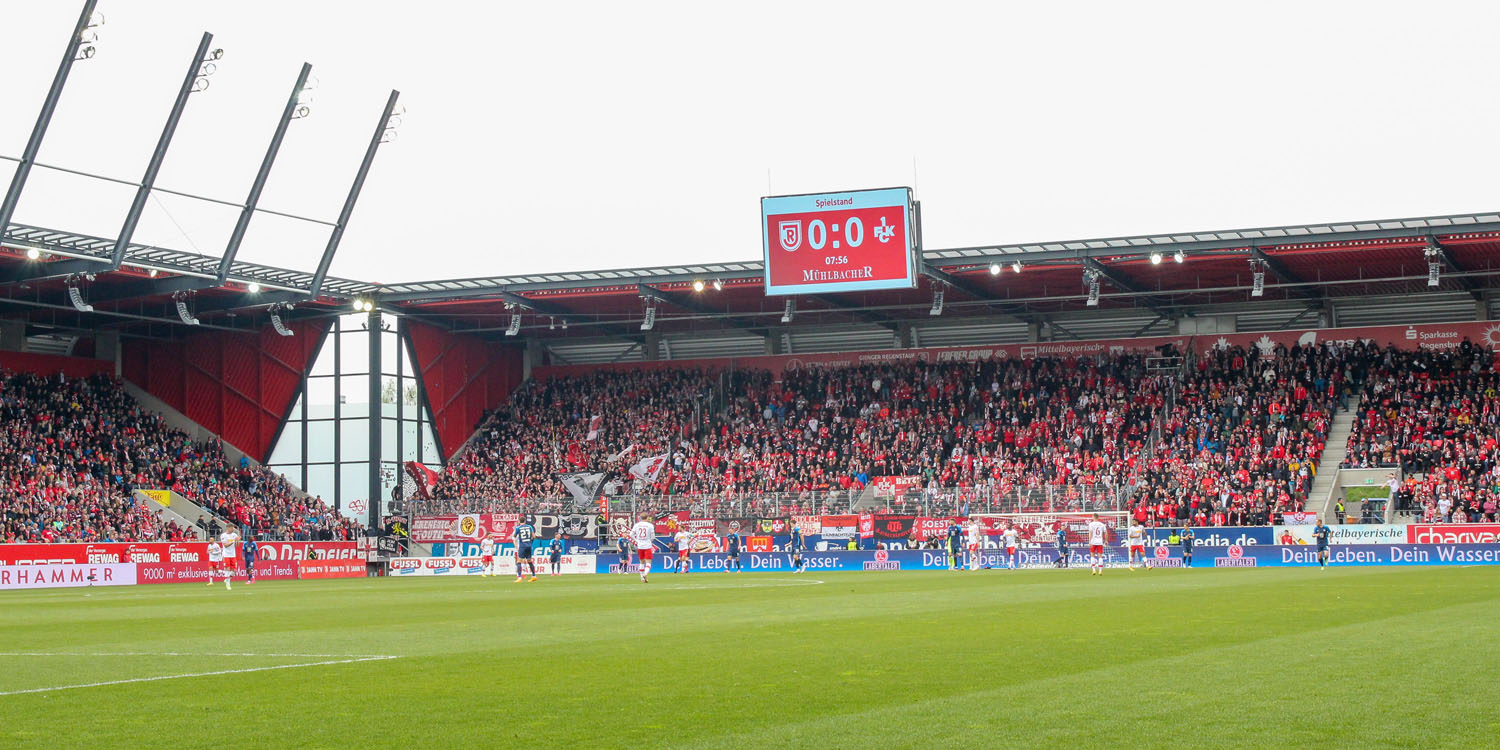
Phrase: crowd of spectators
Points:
(1241, 440)
(543, 431)
(1233, 438)
(1049, 429)
(72, 451)
(1435, 415)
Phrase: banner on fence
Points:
(808, 524)
(927, 528)
(839, 527)
(889, 526)
(464, 527)
(887, 486)
(666, 523)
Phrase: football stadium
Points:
(1223, 488)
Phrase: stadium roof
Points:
(1308, 269)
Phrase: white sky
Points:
(565, 136)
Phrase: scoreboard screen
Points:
(840, 242)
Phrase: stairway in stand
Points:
(1334, 451)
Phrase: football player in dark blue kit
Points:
(1187, 540)
(554, 555)
(524, 535)
(796, 549)
(248, 548)
(623, 544)
(1321, 533)
(1062, 546)
(955, 545)
(732, 548)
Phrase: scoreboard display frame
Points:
(851, 241)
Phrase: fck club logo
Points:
(791, 235)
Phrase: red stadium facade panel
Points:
(52, 364)
(463, 376)
(239, 386)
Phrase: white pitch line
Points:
(185, 653)
(195, 674)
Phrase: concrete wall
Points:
(197, 432)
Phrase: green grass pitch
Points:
(1366, 658)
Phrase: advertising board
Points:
(458, 567)
(164, 552)
(1371, 533)
(1453, 533)
(66, 575)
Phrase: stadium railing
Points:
(932, 501)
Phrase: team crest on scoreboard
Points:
(791, 235)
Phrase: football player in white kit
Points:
(1011, 539)
(1135, 545)
(230, 541)
(1098, 534)
(487, 557)
(643, 536)
(216, 561)
(973, 534)
(684, 543)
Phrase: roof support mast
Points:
(49, 105)
(196, 80)
(381, 132)
(289, 113)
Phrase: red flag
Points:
(419, 480)
(575, 455)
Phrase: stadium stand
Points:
(1243, 440)
(73, 449)
(788, 445)
(1238, 443)
(1435, 416)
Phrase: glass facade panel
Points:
(354, 439)
(320, 481)
(335, 413)
(320, 442)
(288, 448)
